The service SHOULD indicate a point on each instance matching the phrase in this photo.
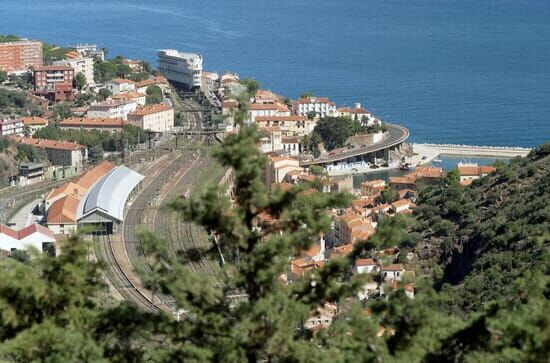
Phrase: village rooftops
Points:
(230, 104)
(53, 68)
(92, 122)
(306, 100)
(34, 121)
(365, 262)
(110, 104)
(150, 109)
(48, 144)
(394, 267)
(129, 95)
(268, 106)
(291, 118)
(354, 110)
(152, 82)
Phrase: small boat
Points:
(437, 161)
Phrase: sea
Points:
(453, 71)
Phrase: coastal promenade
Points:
(431, 151)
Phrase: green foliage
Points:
(334, 131)
(252, 86)
(62, 110)
(80, 81)
(108, 70)
(84, 99)
(9, 38)
(306, 95)
(52, 53)
(95, 154)
(388, 195)
(3, 76)
(15, 102)
(30, 153)
(154, 95)
(92, 138)
(104, 93)
(5, 142)
(317, 170)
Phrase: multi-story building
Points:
(182, 69)
(156, 118)
(18, 56)
(321, 106)
(12, 126)
(112, 109)
(139, 98)
(63, 153)
(290, 125)
(120, 85)
(54, 82)
(266, 110)
(32, 124)
(100, 124)
(89, 50)
(82, 65)
(357, 113)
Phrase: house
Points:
(321, 106)
(266, 109)
(156, 117)
(12, 126)
(291, 145)
(159, 81)
(112, 109)
(120, 85)
(32, 124)
(277, 167)
(59, 152)
(357, 113)
(354, 228)
(365, 266)
(470, 172)
(392, 272)
(86, 123)
(30, 173)
(137, 97)
(135, 65)
(402, 206)
(270, 140)
(321, 317)
(300, 267)
(372, 187)
(33, 235)
(290, 125)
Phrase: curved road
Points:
(396, 135)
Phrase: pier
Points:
(431, 151)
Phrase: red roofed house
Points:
(266, 109)
(32, 124)
(59, 152)
(277, 167)
(85, 123)
(470, 172)
(392, 272)
(157, 118)
(357, 113)
(33, 235)
(365, 265)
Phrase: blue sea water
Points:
(468, 71)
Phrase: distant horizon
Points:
(468, 74)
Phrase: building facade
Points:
(100, 124)
(182, 69)
(82, 65)
(12, 126)
(32, 124)
(120, 85)
(156, 118)
(112, 109)
(17, 57)
(54, 82)
(59, 152)
(321, 106)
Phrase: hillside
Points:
(487, 236)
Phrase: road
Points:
(396, 135)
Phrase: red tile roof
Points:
(92, 122)
(48, 144)
(150, 109)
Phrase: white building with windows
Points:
(112, 109)
(82, 65)
(322, 106)
(120, 85)
(182, 69)
(12, 126)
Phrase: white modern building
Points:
(321, 106)
(12, 126)
(156, 118)
(120, 85)
(112, 109)
(33, 235)
(82, 65)
(182, 69)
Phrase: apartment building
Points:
(120, 85)
(266, 110)
(18, 56)
(291, 125)
(12, 126)
(32, 124)
(182, 69)
(156, 118)
(82, 65)
(112, 109)
(321, 106)
(54, 82)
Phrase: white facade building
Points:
(82, 65)
(33, 235)
(12, 126)
(181, 68)
(112, 109)
(156, 118)
(322, 106)
(120, 85)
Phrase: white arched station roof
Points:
(109, 195)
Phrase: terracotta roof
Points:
(468, 170)
(128, 95)
(365, 262)
(344, 249)
(34, 121)
(92, 122)
(94, 174)
(487, 169)
(121, 80)
(52, 68)
(151, 82)
(63, 210)
(313, 100)
(395, 267)
(313, 251)
(293, 118)
(400, 180)
(72, 54)
(428, 172)
(26, 231)
(229, 104)
(263, 106)
(374, 183)
(48, 144)
(400, 203)
(150, 109)
(354, 110)
(110, 103)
